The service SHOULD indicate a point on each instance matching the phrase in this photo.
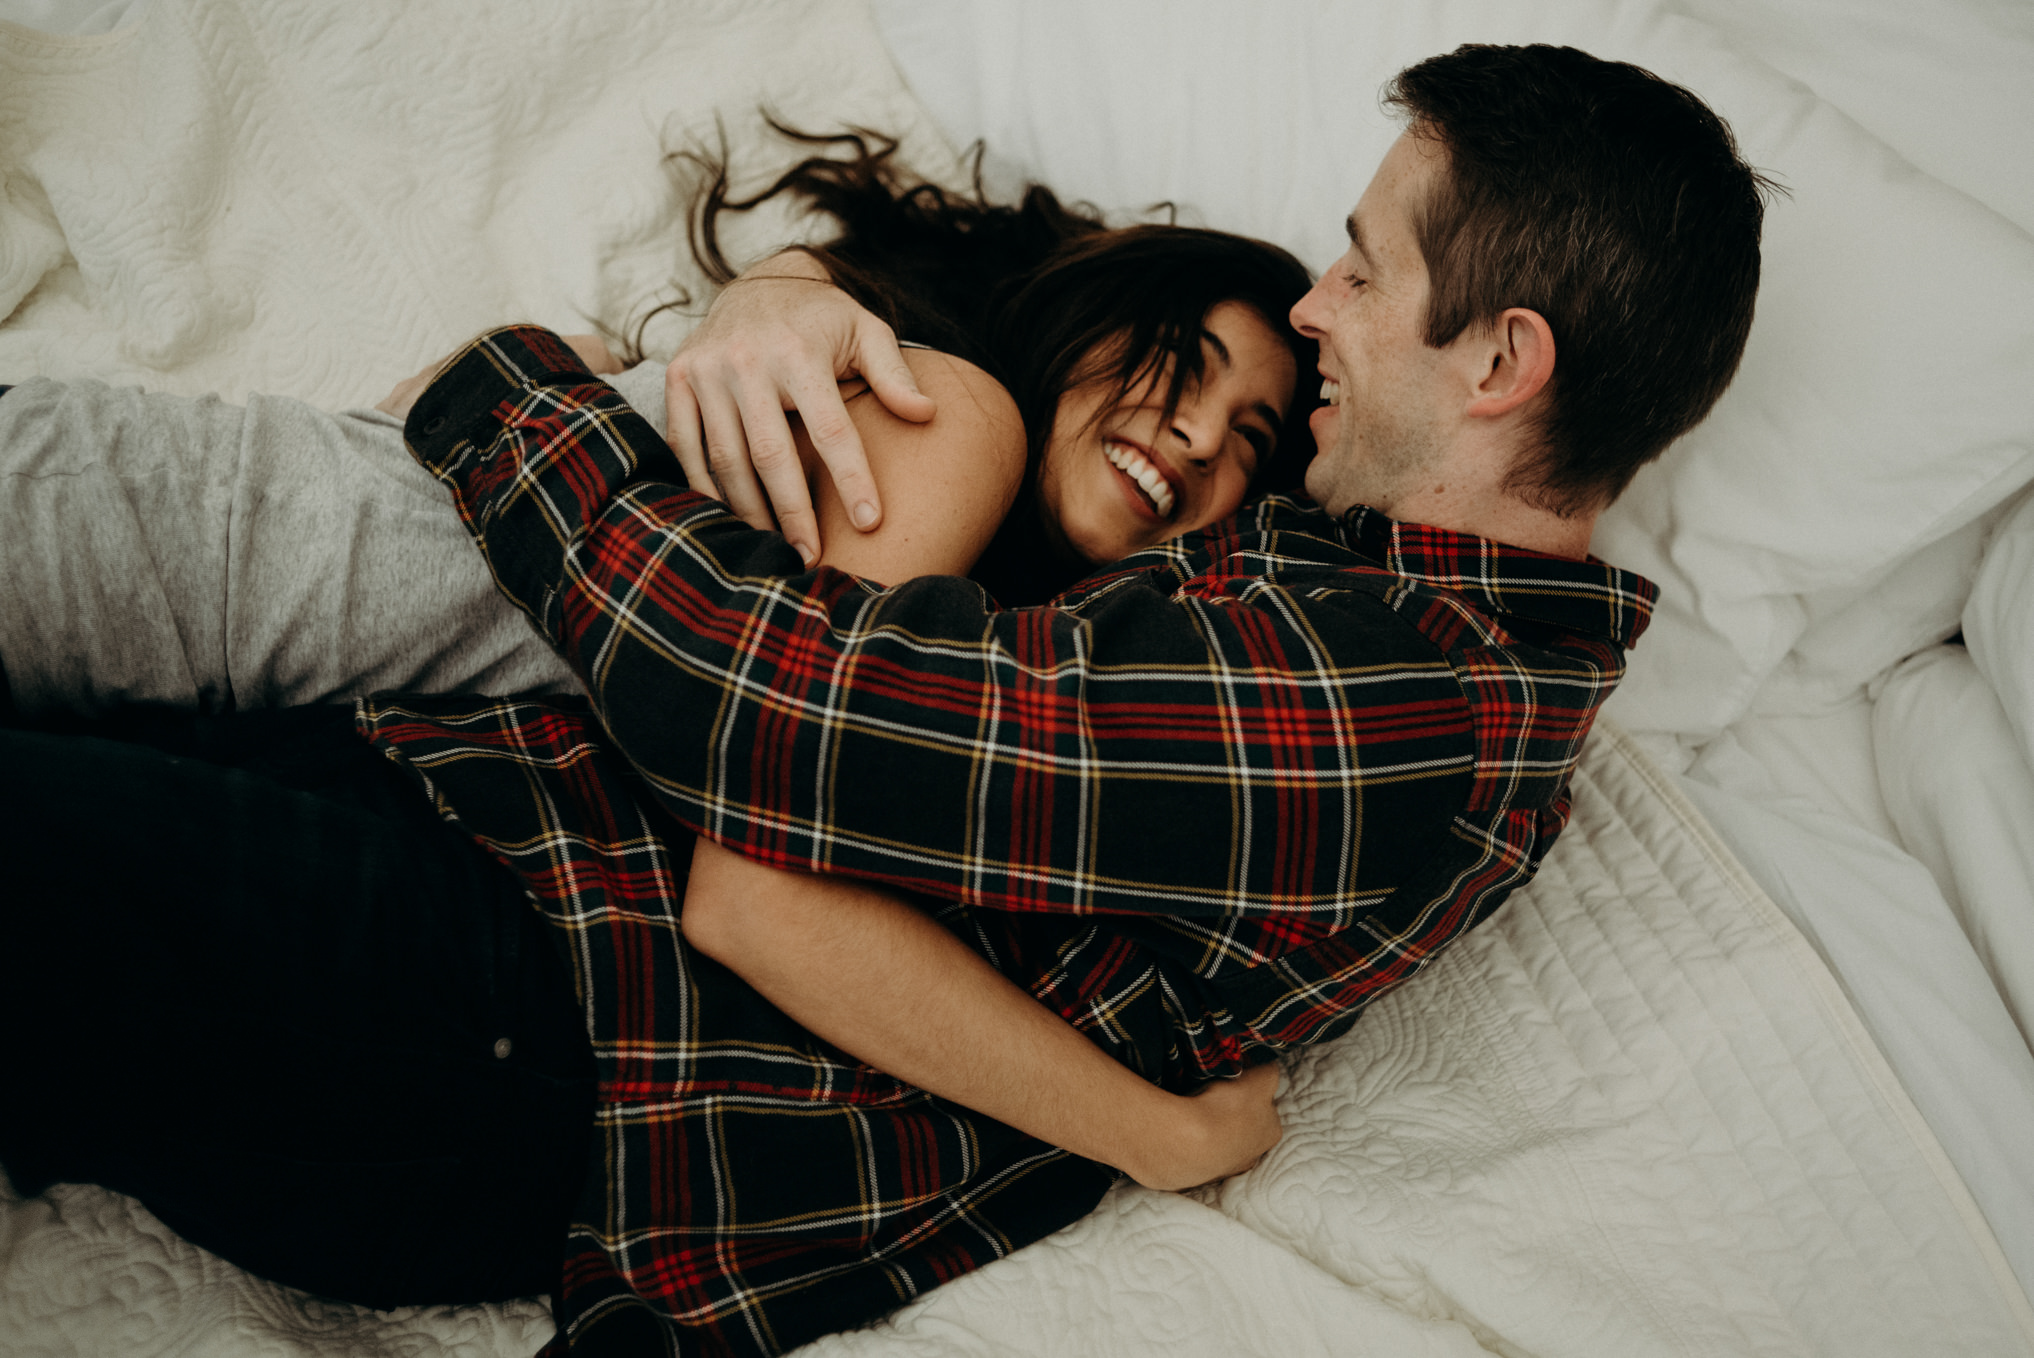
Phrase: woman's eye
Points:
(1352, 280)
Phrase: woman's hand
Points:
(592, 351)
(780, 338)
(399, 401)
(1221, 1129)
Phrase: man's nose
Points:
(1306, 314)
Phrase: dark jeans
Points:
(248, 976)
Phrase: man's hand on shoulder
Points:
(780, 338)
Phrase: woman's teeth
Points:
(1331, 392)
(1138, 468)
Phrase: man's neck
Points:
(1501, 518)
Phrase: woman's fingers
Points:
(873, 353)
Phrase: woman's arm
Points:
(892, 987)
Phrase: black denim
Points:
(250, 977)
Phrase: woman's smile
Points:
(1121, 473)
(1147, 481)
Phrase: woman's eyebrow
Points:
(1271, 417)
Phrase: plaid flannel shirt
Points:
(1206, 808)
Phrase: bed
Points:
(1746, 1070)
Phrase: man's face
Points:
(1384, 432)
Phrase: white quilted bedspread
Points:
(1632, 1115)
(315, 199)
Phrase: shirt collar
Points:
(1588, 596)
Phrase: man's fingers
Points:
(839, 445)
(773, 456)
(727, 459)
(881, 364)
(682, 430)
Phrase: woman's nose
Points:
(1200, 443)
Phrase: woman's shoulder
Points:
(945, 483)
(982, 397)
(951, 373)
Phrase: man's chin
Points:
(1320, 487)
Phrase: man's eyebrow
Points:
(1355, 230)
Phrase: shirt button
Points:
(433, 425)
(502, 1048)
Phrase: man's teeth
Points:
(1138, 468)
(1331, 392)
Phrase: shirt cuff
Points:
(465, 401)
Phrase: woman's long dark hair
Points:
(1043, 295)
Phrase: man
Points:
(1204, 810)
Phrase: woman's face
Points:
(1119, 477)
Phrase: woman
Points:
(1142, 442)
(1051, 303)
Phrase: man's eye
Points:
(1353, 281)
(1260, 447)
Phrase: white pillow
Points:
(1885, 400)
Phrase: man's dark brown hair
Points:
(1615, 205)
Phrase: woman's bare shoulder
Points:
(962, 378)
(945, 484)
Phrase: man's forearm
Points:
(890, 986)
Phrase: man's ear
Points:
(1518, 362)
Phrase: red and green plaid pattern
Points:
(1207, 807)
